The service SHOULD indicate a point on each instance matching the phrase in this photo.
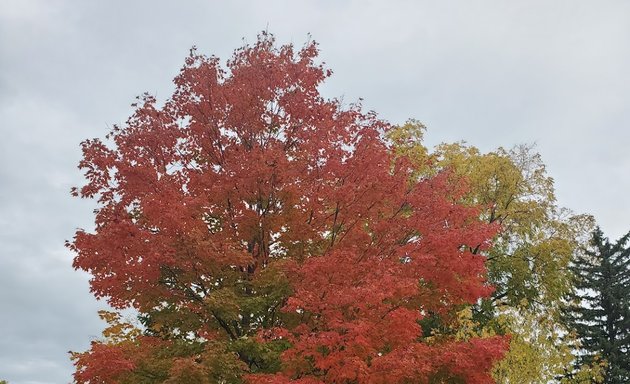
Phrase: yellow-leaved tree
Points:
(527, 263)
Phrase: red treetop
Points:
(247, 179)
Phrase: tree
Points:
(268, 235)
(528, 261)
(599, 307)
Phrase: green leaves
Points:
(261, 357)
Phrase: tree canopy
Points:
(529, 259)
(265, 234)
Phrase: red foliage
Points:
(248, 166)
(104, 363)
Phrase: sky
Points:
(492, 73)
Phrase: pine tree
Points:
(599, 309)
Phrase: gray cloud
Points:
(492, 73)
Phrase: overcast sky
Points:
(493, 73)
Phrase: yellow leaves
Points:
(406, 140)
(467, 328)
(495, 182)
(537, 353)
(588, 374)
(460, 327)
(529, 258)
(117, 330)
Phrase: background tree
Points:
(266, 234)
(599, 306)
(528, 262)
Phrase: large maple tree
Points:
(265, 234)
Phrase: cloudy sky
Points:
(493, 73)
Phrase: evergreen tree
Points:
(599, 308)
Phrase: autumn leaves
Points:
(267, 235)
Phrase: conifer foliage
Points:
(267, 235)
(599, 308)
